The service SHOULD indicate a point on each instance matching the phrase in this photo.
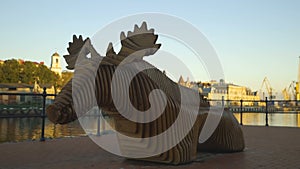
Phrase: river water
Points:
(22, 129)
(274, 119)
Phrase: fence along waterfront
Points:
(236, 106)
(260, 106)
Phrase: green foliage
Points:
(11, 71)
(28, 72)
(49, 77)
(65, 78)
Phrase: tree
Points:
(28, 72)
(46, 76)
(1, 73)
(10, 71)
(66, 76)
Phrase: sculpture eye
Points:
(89, 56)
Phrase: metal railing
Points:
(43, 112)
(259, 106)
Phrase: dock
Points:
(266, 147)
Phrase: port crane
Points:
(269, 89)
(289, 93)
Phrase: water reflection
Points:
(19, 129)
(274, 119)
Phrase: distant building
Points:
(56, 64)
(214, 90)
(229, 91)
(15, 88)
(188, 83)
(37, 64)
(23, 88)
(21, 61)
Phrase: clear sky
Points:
(253, 39)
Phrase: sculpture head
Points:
(62, 110)
(137, 44)
(62, 115)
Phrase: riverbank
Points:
(266, 147)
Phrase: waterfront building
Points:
(186, 83)
(233, 92)
(214, 90)
(15, 88)
(56, 64)
(23, 88)
(189, 84)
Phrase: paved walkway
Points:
(266, 147)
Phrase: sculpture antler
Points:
(74, 49)
(139, 43)
(141, 40)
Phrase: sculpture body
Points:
(228, 136)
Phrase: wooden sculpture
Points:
(227, 137)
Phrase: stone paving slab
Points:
(266, 147)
